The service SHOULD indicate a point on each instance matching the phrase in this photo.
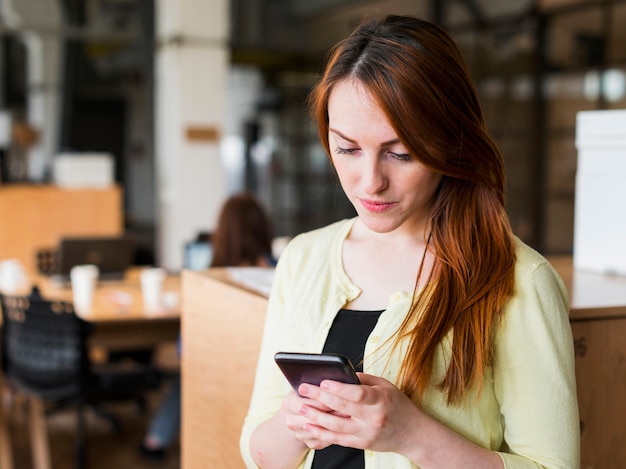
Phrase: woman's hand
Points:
(377, 416)
(296, 421)
(281, 442)
(374, 415)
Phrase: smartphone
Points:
(313, 368)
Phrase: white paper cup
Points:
(12, 276)
(151, 285)
(84, 279)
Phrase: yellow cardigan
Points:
(527, 410)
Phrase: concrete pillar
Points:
(192, 60)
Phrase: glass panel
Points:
(504, 59)
(520, 211)
(565, 96)
(616, 52)
(505, 49)
(576, 39)
(561, 166)
(467, 43)
(559, 226)
(552, 4)
(614, 88)
(459, 13)
(580, 42)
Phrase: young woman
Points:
(460, 329)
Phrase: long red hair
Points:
(417, 75)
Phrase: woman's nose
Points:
(373, 177)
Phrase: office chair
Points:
(45, 357)
(47, 260)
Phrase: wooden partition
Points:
(222, 324)
(34, 217)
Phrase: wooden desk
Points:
(34, 217)
(120, 319)
(121, 323)
(222, 324)
(598, 319)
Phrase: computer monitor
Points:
(112, 255)
(198, 255)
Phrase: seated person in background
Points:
(242, 238)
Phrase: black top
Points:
(347, 336)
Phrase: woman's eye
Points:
(345, 151)
(400, 156)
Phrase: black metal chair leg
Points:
(113, 421)
(81, 453)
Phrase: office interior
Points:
(195, 100)
(536, 64)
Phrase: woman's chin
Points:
(379, 224)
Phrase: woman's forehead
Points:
(353, 111)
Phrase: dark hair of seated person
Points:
(243, 236)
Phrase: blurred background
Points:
(196, 99)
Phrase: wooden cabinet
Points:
(222, 324)
(34, 217)
(598, 319)
(601, 378)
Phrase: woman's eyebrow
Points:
(384, 144)
(335, 131)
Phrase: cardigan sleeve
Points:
(269, 385)
(534, 374)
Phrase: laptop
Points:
(112, 255)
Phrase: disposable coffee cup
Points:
(12, 276)
(84, 279)
(151, 286)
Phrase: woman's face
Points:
(390, 189)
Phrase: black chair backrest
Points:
(47, 260)
(43, 346)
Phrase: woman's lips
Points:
(375, 206)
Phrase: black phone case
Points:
(313, 368)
